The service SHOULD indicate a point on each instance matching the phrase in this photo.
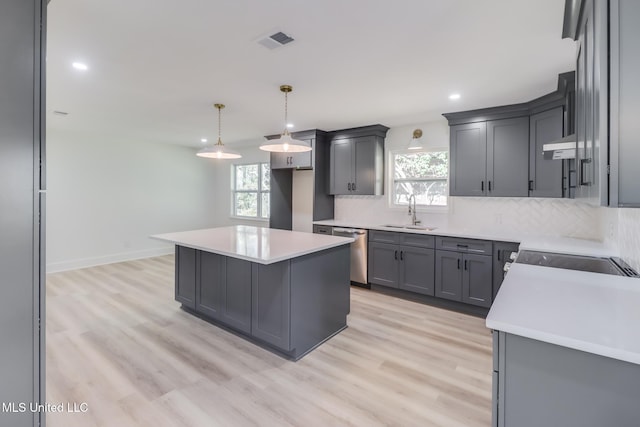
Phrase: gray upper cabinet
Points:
(468, 151)
(545, 175)
(356, 165)
(497, 151)
(302, 160)
(507, 157)
(490, 158)
(607, 99)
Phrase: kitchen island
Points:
(287, 291)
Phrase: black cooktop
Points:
(570, 262)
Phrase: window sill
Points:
(249, 218)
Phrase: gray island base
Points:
(289, 307)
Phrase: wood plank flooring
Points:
(118, 341)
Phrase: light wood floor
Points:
(118, 341)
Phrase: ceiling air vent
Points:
(275, 40)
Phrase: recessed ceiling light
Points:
(80, 66)
(203, 140)
(454, 96)
(289, 125)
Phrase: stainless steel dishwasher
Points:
(358, 253)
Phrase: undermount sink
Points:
(410, 227)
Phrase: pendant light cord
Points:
(285, 110)
(219, 126)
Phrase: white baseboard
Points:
(107, 259)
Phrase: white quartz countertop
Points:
(592, 312)
(255, 244)
(568, 245)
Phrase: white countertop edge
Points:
(345, 241)
(588, 347)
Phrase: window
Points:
(424, 174)
(250, 190)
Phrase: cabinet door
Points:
(186, 276)
(271, 302)
(477, 281)
(508, 157)
(501, 253)
(449, 275)
(364, 169)
(293, 160)
(383, 264)
(417, 270)
(545, 175)
(235, 295)
(468, 151)
(208, 298)
(340, 167)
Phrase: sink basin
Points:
(411, 227)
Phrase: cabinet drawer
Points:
(384, 236)
(420, 240)
(464, 245)
(322, 229)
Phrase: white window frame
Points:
(391, 180)
(259, 192)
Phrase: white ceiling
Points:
(156, 67)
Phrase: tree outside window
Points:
(424, 174)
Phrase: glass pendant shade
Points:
(218, 151)
(285, 144)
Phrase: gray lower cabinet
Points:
(235, 294)
(541, 384)
(402, 260)
(464, 270)
(212, 275)
(271, 292)
(186, 276)
(545, 175)
(501, 253)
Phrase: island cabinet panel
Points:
(320, 297)
(271, 299)
(212, 275)
(186, 276)
(235, 294)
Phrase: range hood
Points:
(564, 148)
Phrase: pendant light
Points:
(285, 144)
(218, 151)
(416, 143)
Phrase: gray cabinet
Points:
(607, 100)
(356, 165)
(186, 271)
(402, 260)
(212, 275)
(501, 253)
(541, 384)
(282, 167)
(235, 294)
(271, 293)
(464, 270)
(468, 153)
(545, 175)
(490, 158)
(507, 157)
(323, 229)
(22, 210)
(293, 160)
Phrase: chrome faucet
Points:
(412, 211)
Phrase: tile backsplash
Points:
(522, 216)
(627, 230)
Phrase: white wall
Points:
(105, 197)
(554, 217)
